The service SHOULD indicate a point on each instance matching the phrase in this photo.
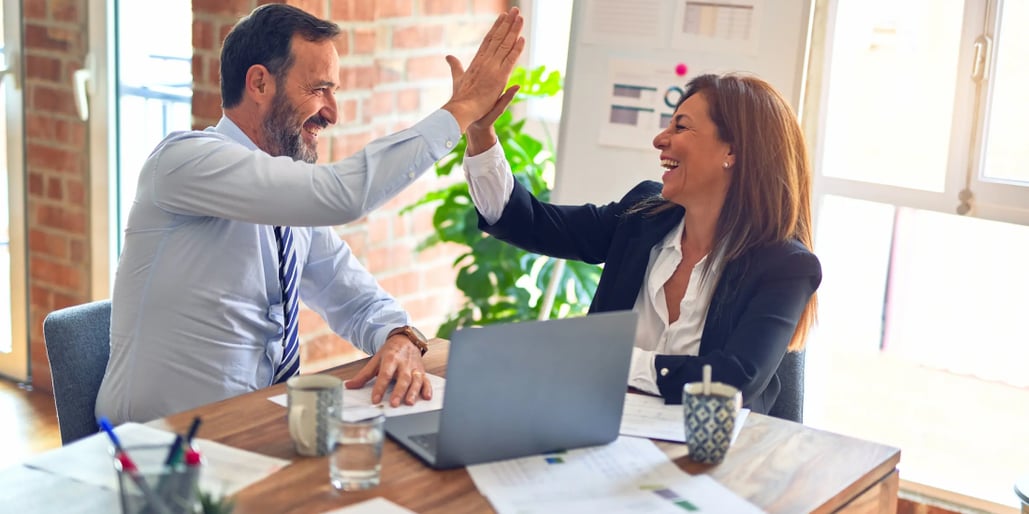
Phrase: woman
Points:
(716, 258)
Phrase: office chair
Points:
(78, 343)
(790, 403)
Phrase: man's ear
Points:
(260, 84)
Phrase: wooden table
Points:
(780, 466)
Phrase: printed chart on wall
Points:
(628, 63)
(723, 26)
(643, 99)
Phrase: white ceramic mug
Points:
(310, 400)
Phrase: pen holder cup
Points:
(151, 487)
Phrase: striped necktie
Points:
(290, 364)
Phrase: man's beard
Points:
(283, 136)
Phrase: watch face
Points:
(418, 333)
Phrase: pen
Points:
(192, 430)
(130, 468)
(173, 452)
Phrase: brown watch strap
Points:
(416, 338)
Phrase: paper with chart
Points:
(629, 475)
(649, 416)
(627, 22)
(641, 99)
(226, 469)
(718, 26)
(363, 396)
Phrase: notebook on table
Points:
(525, 388)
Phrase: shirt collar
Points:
(227, 127)
(673, 240)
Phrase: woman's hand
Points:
(481, 135)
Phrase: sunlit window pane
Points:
(155, 81)
(1006, 151)
(891, 91)
(551, 23)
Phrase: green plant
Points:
(502, 283)
(211, 504)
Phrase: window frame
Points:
(16, 364)
(992, 199)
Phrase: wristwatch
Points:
(414, 335)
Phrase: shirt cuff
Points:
(492, 162)
(490, 182)
(383, 335)
(641, 371)
(441, 131)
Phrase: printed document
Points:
(628, 475)
(363, 396)
(649, 416)
(89, 460)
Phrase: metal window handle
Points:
(980, 67)
(10, 70)
(81, 81)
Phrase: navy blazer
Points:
(753, 312)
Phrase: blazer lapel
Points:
(642, 234)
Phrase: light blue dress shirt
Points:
(197, 312)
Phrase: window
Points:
(155, 82)
(140, 90)
(922, 214)
(549, 32)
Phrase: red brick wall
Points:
(392, 74)
(57, 166)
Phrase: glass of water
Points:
(356, 440)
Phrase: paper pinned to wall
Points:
(628, 22)
(718, 26)
(641, 100)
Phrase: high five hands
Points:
(479, 90)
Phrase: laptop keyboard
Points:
(426, 441)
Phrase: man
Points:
(230, 226)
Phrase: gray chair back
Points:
(790, 403)
(78, 343)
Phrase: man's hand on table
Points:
(398, 360)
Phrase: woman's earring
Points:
(725, 164)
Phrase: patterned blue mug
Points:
(710, 419)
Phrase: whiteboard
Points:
(627, 57)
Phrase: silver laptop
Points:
(525, 388)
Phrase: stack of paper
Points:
(226, 469)
(363, 396)
(629, 475)
(649, 416)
